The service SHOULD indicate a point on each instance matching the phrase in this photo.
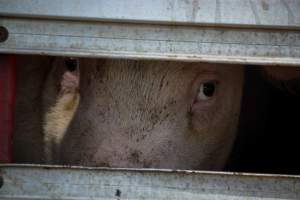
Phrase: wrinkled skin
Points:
(132, 113)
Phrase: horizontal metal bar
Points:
(137, 41)
(252, 13)
(46, 182)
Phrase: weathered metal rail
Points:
(55, 182)
(232, 31)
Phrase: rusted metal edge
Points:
(274, 61)
(148, 22)
(150, 170)
(66, 182)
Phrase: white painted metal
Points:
(45, 182)
(258, 13)
(228, 31)
(144, 41)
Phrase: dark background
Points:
(269, 130)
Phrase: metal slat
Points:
(120, 40)
(231, 31)
(257, 13)
(45, 182)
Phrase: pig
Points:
(126, 113)
(59, 115)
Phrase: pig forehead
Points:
(151, 84)
(147, 79)
(129, 71)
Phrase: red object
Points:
(7, 98)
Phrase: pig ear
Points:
(284, 78)
(70, 79)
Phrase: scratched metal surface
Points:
(46, 182)
(229, 31)
(258, 13)
(142, 41)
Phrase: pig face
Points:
(153, 114)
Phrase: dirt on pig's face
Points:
(154, 114)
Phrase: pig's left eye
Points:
(206, 90)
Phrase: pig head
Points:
(153, 114)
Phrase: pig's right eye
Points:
(206, 91)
